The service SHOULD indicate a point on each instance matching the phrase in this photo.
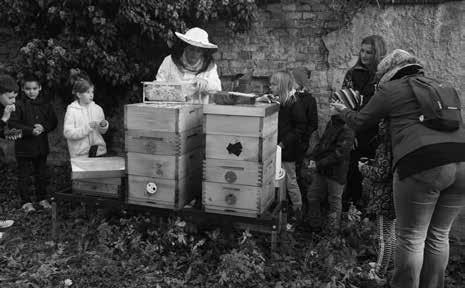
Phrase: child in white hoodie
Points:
(85, 122)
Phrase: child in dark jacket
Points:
(37, 118)
(331, 155)
(305, 98)
(292, 121)
(8, 92)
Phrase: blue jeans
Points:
(292, 186)
(426, 204)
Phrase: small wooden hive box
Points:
(100, 176)
(164, 144)
(240, 155)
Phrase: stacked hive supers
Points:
(164, 145)
(240, 155)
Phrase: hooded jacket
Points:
(80, 136)
(332, 153)
(28, 113)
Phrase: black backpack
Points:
(439, 103)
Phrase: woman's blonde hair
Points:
(285, 83)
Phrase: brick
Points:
(258, 55)
(245, 55)
(305, 7)
(294, 15)
(289, 7)
(229, 55)
(319, 7)
(308, 15)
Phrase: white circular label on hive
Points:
(151, 188)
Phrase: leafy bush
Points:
(118, 42)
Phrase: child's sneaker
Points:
(6, 223)
(28, 207)
(45, 204)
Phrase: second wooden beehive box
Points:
(164, 145)
(240, 153)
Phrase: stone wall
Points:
(289, 34)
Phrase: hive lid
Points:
(258, 109)
(98, 167)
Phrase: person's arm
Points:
(17, 121)
(101, 117)
(163, 73)
(377, 108)
(52, 121)
(344, 143)
(71, 132)
(312, 115)
(300, 125)
(213, 80)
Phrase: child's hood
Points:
(75, 105)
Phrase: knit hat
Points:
(8, 84)
(394, 62)
(301, 75)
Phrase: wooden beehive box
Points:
(162, 117)
(164, 145)
(102, 187)
(240, 155)
(100, 176)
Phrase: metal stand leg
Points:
(54, 218)
(274, 238)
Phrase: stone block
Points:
(245, 55)
(289, 7)
(294, 15)
(308, 15)
(227, 55)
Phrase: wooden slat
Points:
(164, 166)
(96, 189)
(240, 125)
(162, 117)
(258, 109)
(238, 172)
(163, 143)
(246, 199)
(253, 148)
(172, 194)
(99, 167)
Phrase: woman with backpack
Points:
(429, 167)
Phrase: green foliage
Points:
(95, 250)
(118, 42)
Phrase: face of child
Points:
(32, 89)
(86, 97)
(367, 54)
(8, 98)
(193, 54)
(274, 86)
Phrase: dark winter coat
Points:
(332, 153)
(396, 101)
(296, 122)
(362, 80)
(29, 112)
(311, 113)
